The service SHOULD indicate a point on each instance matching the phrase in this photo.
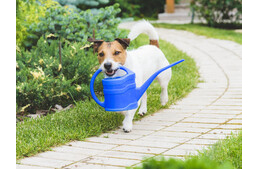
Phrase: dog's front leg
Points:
(128, 121)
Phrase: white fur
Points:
(144, 61)
(143, 27)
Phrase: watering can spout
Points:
(140, 90)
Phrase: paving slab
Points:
(126, 155)
(193, 124)
(214, 116)
(110, 161)
(18, 166)
(230, 126)
(213, 136)
(140, 149)
(152, 143)
(235, 121)
(164, 139)
(77, 150)
(62, 156)
(107, 140)
(204, 120)
(177, 134)
(180, 152)
(192, 147)
(80, 165)
(187, 129)
(210, 112)
(97, 146)
(201, 141)
(45, 162)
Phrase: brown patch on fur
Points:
(96, 44)
(154, 42)
(113, 50)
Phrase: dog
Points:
(144, 61)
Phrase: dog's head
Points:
(110, 54)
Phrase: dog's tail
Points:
(144, 27)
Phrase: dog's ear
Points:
(96, 44)
(124, 42)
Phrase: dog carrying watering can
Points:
(121, 93)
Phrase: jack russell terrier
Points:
(144, 61)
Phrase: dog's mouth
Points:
(110, 72)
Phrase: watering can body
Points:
(121, 93)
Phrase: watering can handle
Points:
(124, 69)
(92, 88)
(102, 104)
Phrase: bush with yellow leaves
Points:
(41, 82)
(27, 13)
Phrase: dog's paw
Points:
(127, 130)
(163, 100)
(164, 103)
(142, 111)
(127, 127)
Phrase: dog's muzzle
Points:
(108, 69)
(110, 72)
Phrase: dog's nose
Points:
(107, 65)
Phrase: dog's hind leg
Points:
(143, 107)
(163, 80)
(128, 121)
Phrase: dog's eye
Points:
(117, 52)
(101, 54)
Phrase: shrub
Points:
(217, 13)
(70, 24)
(82, 4)
(28, 12)
(129, 8)
(139, 8)
(193, 163)
(40, 81)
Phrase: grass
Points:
(192, 163)
(229, 150)
(88, 119)
(225, 154)
(205, 31)
(85, 120)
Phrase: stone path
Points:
(208, 113)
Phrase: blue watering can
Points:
(121, 93)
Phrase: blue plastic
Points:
(121, 93)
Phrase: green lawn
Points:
(229, 150)
(205, 31)
(89, 119)
(225, 154)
